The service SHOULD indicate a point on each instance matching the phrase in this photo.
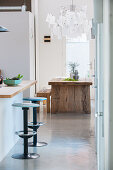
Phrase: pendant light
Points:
(71, 22)
(3, 29)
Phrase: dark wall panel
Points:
(16, 3)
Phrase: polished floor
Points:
(71, 145)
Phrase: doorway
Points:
(77, 51)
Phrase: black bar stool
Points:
(25, 134)
(35, 125)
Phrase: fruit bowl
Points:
(12, 82)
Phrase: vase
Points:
(76, 76)
(72, 75)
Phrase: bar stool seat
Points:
(35, 99)
(25, 133)
(35, 125)
(25, 105)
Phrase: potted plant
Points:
(13, 81)
(74, 71)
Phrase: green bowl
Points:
(12, 82)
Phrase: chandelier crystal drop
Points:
(71, 23)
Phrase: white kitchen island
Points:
(11, 118)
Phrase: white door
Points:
(99, 99)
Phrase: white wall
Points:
(17, 45)
(35, 11)
(52, 56)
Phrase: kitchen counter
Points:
(11, 91)
(11, 118)
(70, 96)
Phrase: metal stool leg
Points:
(35, 143)
(25, 116)
(34, 123)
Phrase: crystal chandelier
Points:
(71, 23)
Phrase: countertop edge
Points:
(20, 90)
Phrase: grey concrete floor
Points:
(71, 145)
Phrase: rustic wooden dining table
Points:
(70, 96)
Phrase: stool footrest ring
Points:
(28, 135)
(31, 125)
(34, 125)
(28, 156)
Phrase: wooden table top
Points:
(10, 91)
(60, 81)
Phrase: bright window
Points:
(78, 51)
